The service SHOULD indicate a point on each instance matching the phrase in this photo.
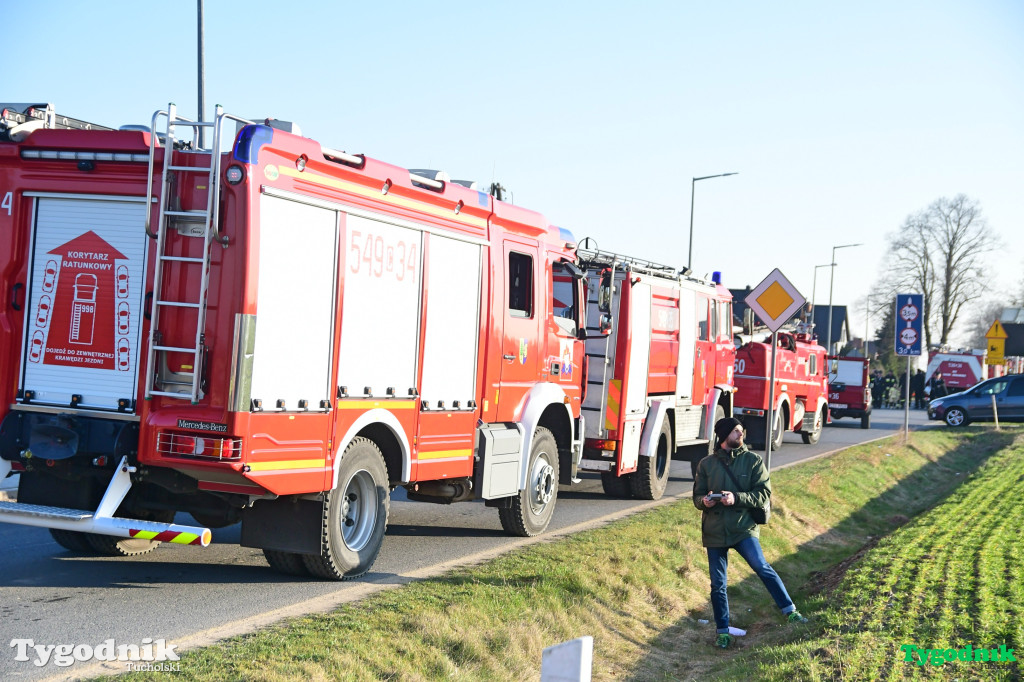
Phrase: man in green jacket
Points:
(727, 524)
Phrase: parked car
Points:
(976, 403)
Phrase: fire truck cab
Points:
(801, 390)
(278, 334)
(659, 357)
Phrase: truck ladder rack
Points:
(609, 259)
(206, 226)
(21, 119)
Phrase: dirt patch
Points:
(825, 582)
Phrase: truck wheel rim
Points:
(359, 511)
(542, 484)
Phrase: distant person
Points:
(878, 389)
(890, 394)
(727, 524)
(917, 386)
(938, 386)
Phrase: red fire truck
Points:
(659, 372)
(849, 389)
(960, 369)
(801, 389)
(278, 334)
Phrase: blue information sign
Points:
(909, 321)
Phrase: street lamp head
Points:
(720, 175)
(689, 255)
(828, 343)
(844, 246)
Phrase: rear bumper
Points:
(855, 412)
(102, 521)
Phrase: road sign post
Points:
(774, 300)
(909, 325)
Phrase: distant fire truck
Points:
(960, 369)
(278, 335)
(849, 389)
(659, 372)
(801, 389)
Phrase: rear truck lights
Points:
(199, 447)
(74, 155)
(608, 445)
(234, 175)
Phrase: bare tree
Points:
(979, 324)
(938, 252)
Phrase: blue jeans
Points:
(750, 550)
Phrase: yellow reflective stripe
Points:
(440, 454)
(145, 534)
(374, 193)
(367, 404)
(184, 539)
(288, 464)
(611, 415)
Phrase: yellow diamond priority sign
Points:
(775, 300)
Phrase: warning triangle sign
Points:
(996, 331)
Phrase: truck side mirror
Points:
(604, 294)
(606, 324)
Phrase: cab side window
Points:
(520, 285)
(812, 365)
(563, 298)
(702, 319)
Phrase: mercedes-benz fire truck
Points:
(801, 388)
(660, 359)
(275, 332)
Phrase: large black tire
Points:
(288, 563)
(865, 421)
(819, 423)
(355, 515)
(778, 431)
(71, 540)
(616, 486)
(957, 416)
(531, 510)
(108, 545)
(695, 460)
(651, 477)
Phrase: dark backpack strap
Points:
(728, 470)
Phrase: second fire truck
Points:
(660, 359)
(801, 388)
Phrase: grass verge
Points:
(881, 545)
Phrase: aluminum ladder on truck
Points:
(200, 224)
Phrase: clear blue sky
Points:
(841, 120)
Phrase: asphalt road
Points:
(192, 596)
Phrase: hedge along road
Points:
(191, 596)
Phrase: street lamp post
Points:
(689, 255)
(831, 281)
(867, 326)
(814, 287)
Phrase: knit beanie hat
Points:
(725, 426)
